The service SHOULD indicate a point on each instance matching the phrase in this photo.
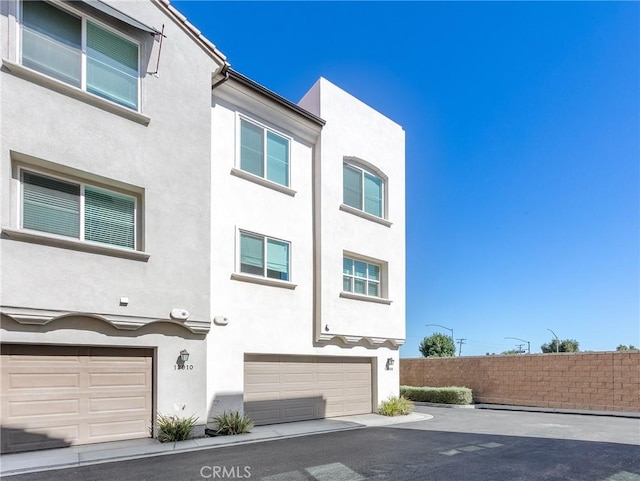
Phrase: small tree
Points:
(437, 345)
(566, 345)
(623, 347)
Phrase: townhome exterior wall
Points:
(261, 318)
(180, 156)
(356, 131)
(165, 162)
(265, 319)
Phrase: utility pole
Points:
(520, 346)
(461, 342)
(523, 340)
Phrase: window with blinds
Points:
(264, 153)
(77, 210)
(363, 190)
(264, 256)
(52, 40)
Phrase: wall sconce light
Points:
(390, 363)
(184, 355)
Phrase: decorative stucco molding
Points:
(350, 339)
(40, 317)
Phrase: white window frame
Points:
(82, 184)
(265, 129)
(83, 53)
(265, 238)
(353, 276)
(383, 292)
(359, 165)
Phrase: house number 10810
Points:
(183, 367)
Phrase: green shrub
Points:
(395, 406)
(175, 428)
(440, 395)
(232, 422)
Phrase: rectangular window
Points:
(78, 210)
(264, 256)
(264, 153)
(52, 43)
(360, 277)
(363, 190)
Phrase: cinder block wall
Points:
(603, 381)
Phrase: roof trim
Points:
(246, 81)
(192, 30)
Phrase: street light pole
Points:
(443, 327)
(518, 339)
(557, 340)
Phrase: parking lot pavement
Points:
(581, 427)
(455, 445)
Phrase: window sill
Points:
(73, 244)
(364, 215)
(360, 297)
(265, 281)
(263, 182)
(79, 94)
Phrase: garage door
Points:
(295, 388)
(56, 396)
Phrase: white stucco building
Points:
(176, 238)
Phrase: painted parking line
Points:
(470, 449)
(334, 472)
(491, 445)
(624, 476)
(451, 452)
(289, 476)
(478, 447)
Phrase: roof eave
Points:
(255, 86)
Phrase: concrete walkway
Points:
(116, 451)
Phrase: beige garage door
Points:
(56, 396)
(295, 388)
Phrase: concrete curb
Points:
(504, 407)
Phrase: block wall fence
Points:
(603, 381)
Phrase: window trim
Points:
(45, 238)
(243, 174)
(383, 283)
(367, 168)
(80, 240)
(238, 164)
(261, 279)
(84, 18)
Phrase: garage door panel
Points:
(113, 431)
(293, 388)
(117, 379)
(43, 438)
(297, 377)
(31, 380)
(19, 410)
(299, 413)
(266, 378)
(118, 404)
(61, 399)
(330, 377)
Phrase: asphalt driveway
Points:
(457, 444)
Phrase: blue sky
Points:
(522, 123)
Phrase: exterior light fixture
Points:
(184, 355)
(390, 363)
